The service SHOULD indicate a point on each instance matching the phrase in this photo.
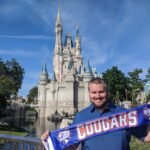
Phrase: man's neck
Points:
(102, 109)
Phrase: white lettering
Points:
(122, 119)
(105, 125)
(132, 118)
(114, 123)
(97, 127)
(81, 132)
(89, 129)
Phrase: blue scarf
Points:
(62, 138)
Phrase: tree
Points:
(148, 97)
(11, 77)
(136, 84)
(32, 96)
(148, 74)
(6, 89)
(117, 83)
(15, 71)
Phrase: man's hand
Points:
(147, 138)
(45, 135)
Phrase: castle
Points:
(67, 91)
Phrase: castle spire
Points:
(58, 30)
(88, 72)
(58, 51)
(77, 32)
(88, 67)
(58, 21)
(44, 75)
(78, 42)
(44, 69)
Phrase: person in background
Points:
(100, 107)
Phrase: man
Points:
(101, 107)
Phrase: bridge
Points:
(9, 142)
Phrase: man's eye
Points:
(94, 92)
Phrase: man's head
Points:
(98, 93)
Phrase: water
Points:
(35, 126)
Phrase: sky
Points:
(113, 33)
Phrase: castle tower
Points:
(78, 56)
(78, 42)
(87, 76)
(58, 51)
(51, 90)
(44, 75)
(42, 90)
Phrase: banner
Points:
(62, 138)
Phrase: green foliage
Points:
(123, 87)
(6, 89)
(12, 130)
(11, 77)
(28, 108)
(15, 72)
(148, 74)
(148, 97)
(65, 114)
(135, 83)
(135, 144)
(32, 96)
(117, 83)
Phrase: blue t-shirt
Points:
(118, 140)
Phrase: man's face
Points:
(98, 95)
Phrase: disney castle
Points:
(67, 90)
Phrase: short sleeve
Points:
(139, 132)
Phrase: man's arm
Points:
(147, 138)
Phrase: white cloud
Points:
(43, 53)
(30, 37)
(17, 52)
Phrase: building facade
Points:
(67, 91)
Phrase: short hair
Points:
(98, 80)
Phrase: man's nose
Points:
(97, 95)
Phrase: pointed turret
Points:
(88, 72)
(44, 75)
(58, 52)
(88, 68)
(78, 42)
(94, 72)
(58, 30)
(58, 21)
(77, 33)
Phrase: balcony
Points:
(8, 142)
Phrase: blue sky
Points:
(113, 33)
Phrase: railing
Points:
(8, 142)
